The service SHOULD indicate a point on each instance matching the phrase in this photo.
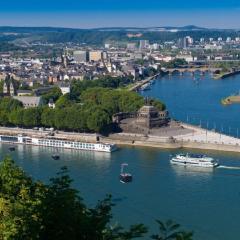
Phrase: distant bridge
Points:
(192, 70)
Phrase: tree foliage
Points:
(171, 231)
(90, 111)
(54, 94)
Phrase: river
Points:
(204, 201)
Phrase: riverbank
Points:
(189, 137)
(231, 100)
(226, 74)
(180, 136)
(139, 84)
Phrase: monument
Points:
(143, 121)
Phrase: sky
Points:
(120, 13)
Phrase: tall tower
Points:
(65, 57)
(5, 88)
(11, 89)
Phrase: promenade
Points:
(177, 135)
(138, 84)
(180, 135)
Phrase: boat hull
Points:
(194, 162)
(58, 143)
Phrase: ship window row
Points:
(62, 143)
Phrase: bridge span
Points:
(201, 70)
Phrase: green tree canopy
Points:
(32, 117)
(64, 101)
(9, 104)
(54, 94)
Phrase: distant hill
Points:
(99, 36)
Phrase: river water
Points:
(204, 201)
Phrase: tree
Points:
(16, 117)
(32, 117)
(9, 104)
(170, 231)
(64, 211)
(54, 94)
(64, 101)
(1, 85)
(59, 118)
(97, 119)
(20, 199)
(4, 117)
(76, 118)
(47, 117)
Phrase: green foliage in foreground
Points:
(32, 210)
(91, 113)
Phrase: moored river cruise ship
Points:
(196, 160)
(58, 143)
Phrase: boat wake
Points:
(228, 167)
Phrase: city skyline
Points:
(93, 14)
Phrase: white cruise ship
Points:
(58, 143)
(196, 160)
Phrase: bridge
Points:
(193, 70)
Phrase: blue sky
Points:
(107, 13)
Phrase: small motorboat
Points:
(125, 177)
(11, 149)
(55, 157)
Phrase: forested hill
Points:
(102, 35)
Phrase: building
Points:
(51, 103)
(189, 40)
(228, 40)
(65, 89)
(107, 45)
(187, 58)
(213, 47)
(144, 121)
(29, 101)
(155, 46)
(9, 87)
(95, 56)
(42, 90)
(143, 44)
(5, 88)
(183, 43)
(131, 46)
(148, 116)
(24, 93)
(81, 56)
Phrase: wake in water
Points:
(228, 167)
